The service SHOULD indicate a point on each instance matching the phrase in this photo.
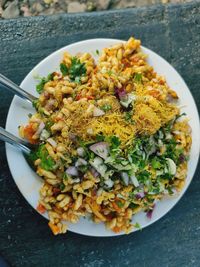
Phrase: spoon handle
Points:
(15, 141)
(16, 89)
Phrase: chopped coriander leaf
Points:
(137, 225)
(115, 142)
(155, 163)
(106, 107)
(170, 191)
(62, 187)
(97, 52)
(48, 125)
(100, 137)
(83, 168)
(128, 117)
(77, 69)
(133, 206)
(43, 81)
(166, 176)
(138, 77)
(30, 115)
(143, 176)
(109, 72)
(65, 176)
(47, 163)
(77, 79)
(180, 115)
(35, 103)
(64, 69)
(120, 204)
(40, 86)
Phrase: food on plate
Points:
(111, 139)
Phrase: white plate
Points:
(29, 183)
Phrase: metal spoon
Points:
(25, 147)
(16, 89)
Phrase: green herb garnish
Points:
(77, 69)
(120, 204)
(106, 107)
(62, 187)
(115, 142)
(138, 77)
(128, 117)
(64, 69)
(65, 176)
(47, 163)
(35, 103)
(155, 163)
(40, 85)
(137, 225)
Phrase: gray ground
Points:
(20, 8)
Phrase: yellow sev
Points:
(113, 124)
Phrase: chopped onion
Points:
(127, 100)
(90, 131)
(80, 162)
(120, 92)
(171, 166)
(94, 172)
(140, 195)
(100, 149)
(72, 171)
(52, 142)
(168, 136)
(98, 112)
(40, 128)
(44, 134)
(176, 132)
(134, 180)
(98, 164)
(80, 151)
(150, 212)
(77, 180)
(109, 183)
(125, 178)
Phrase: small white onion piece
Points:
(52, 142)
(125, 178)
(171, 166)
(80, 162)
(72, 171)
(134, 180)
(100, 149)
(40, 128)
(98, 112)
(80, 151)
(109, 183)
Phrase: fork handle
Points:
(13, 140)
(16, 89)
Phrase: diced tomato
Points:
(28, 134)
(79, 96)
(41, 208)
(115, 206)
(56, 191)
(116, 229)
(90, 97)
(54, 228)
(154, 93)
